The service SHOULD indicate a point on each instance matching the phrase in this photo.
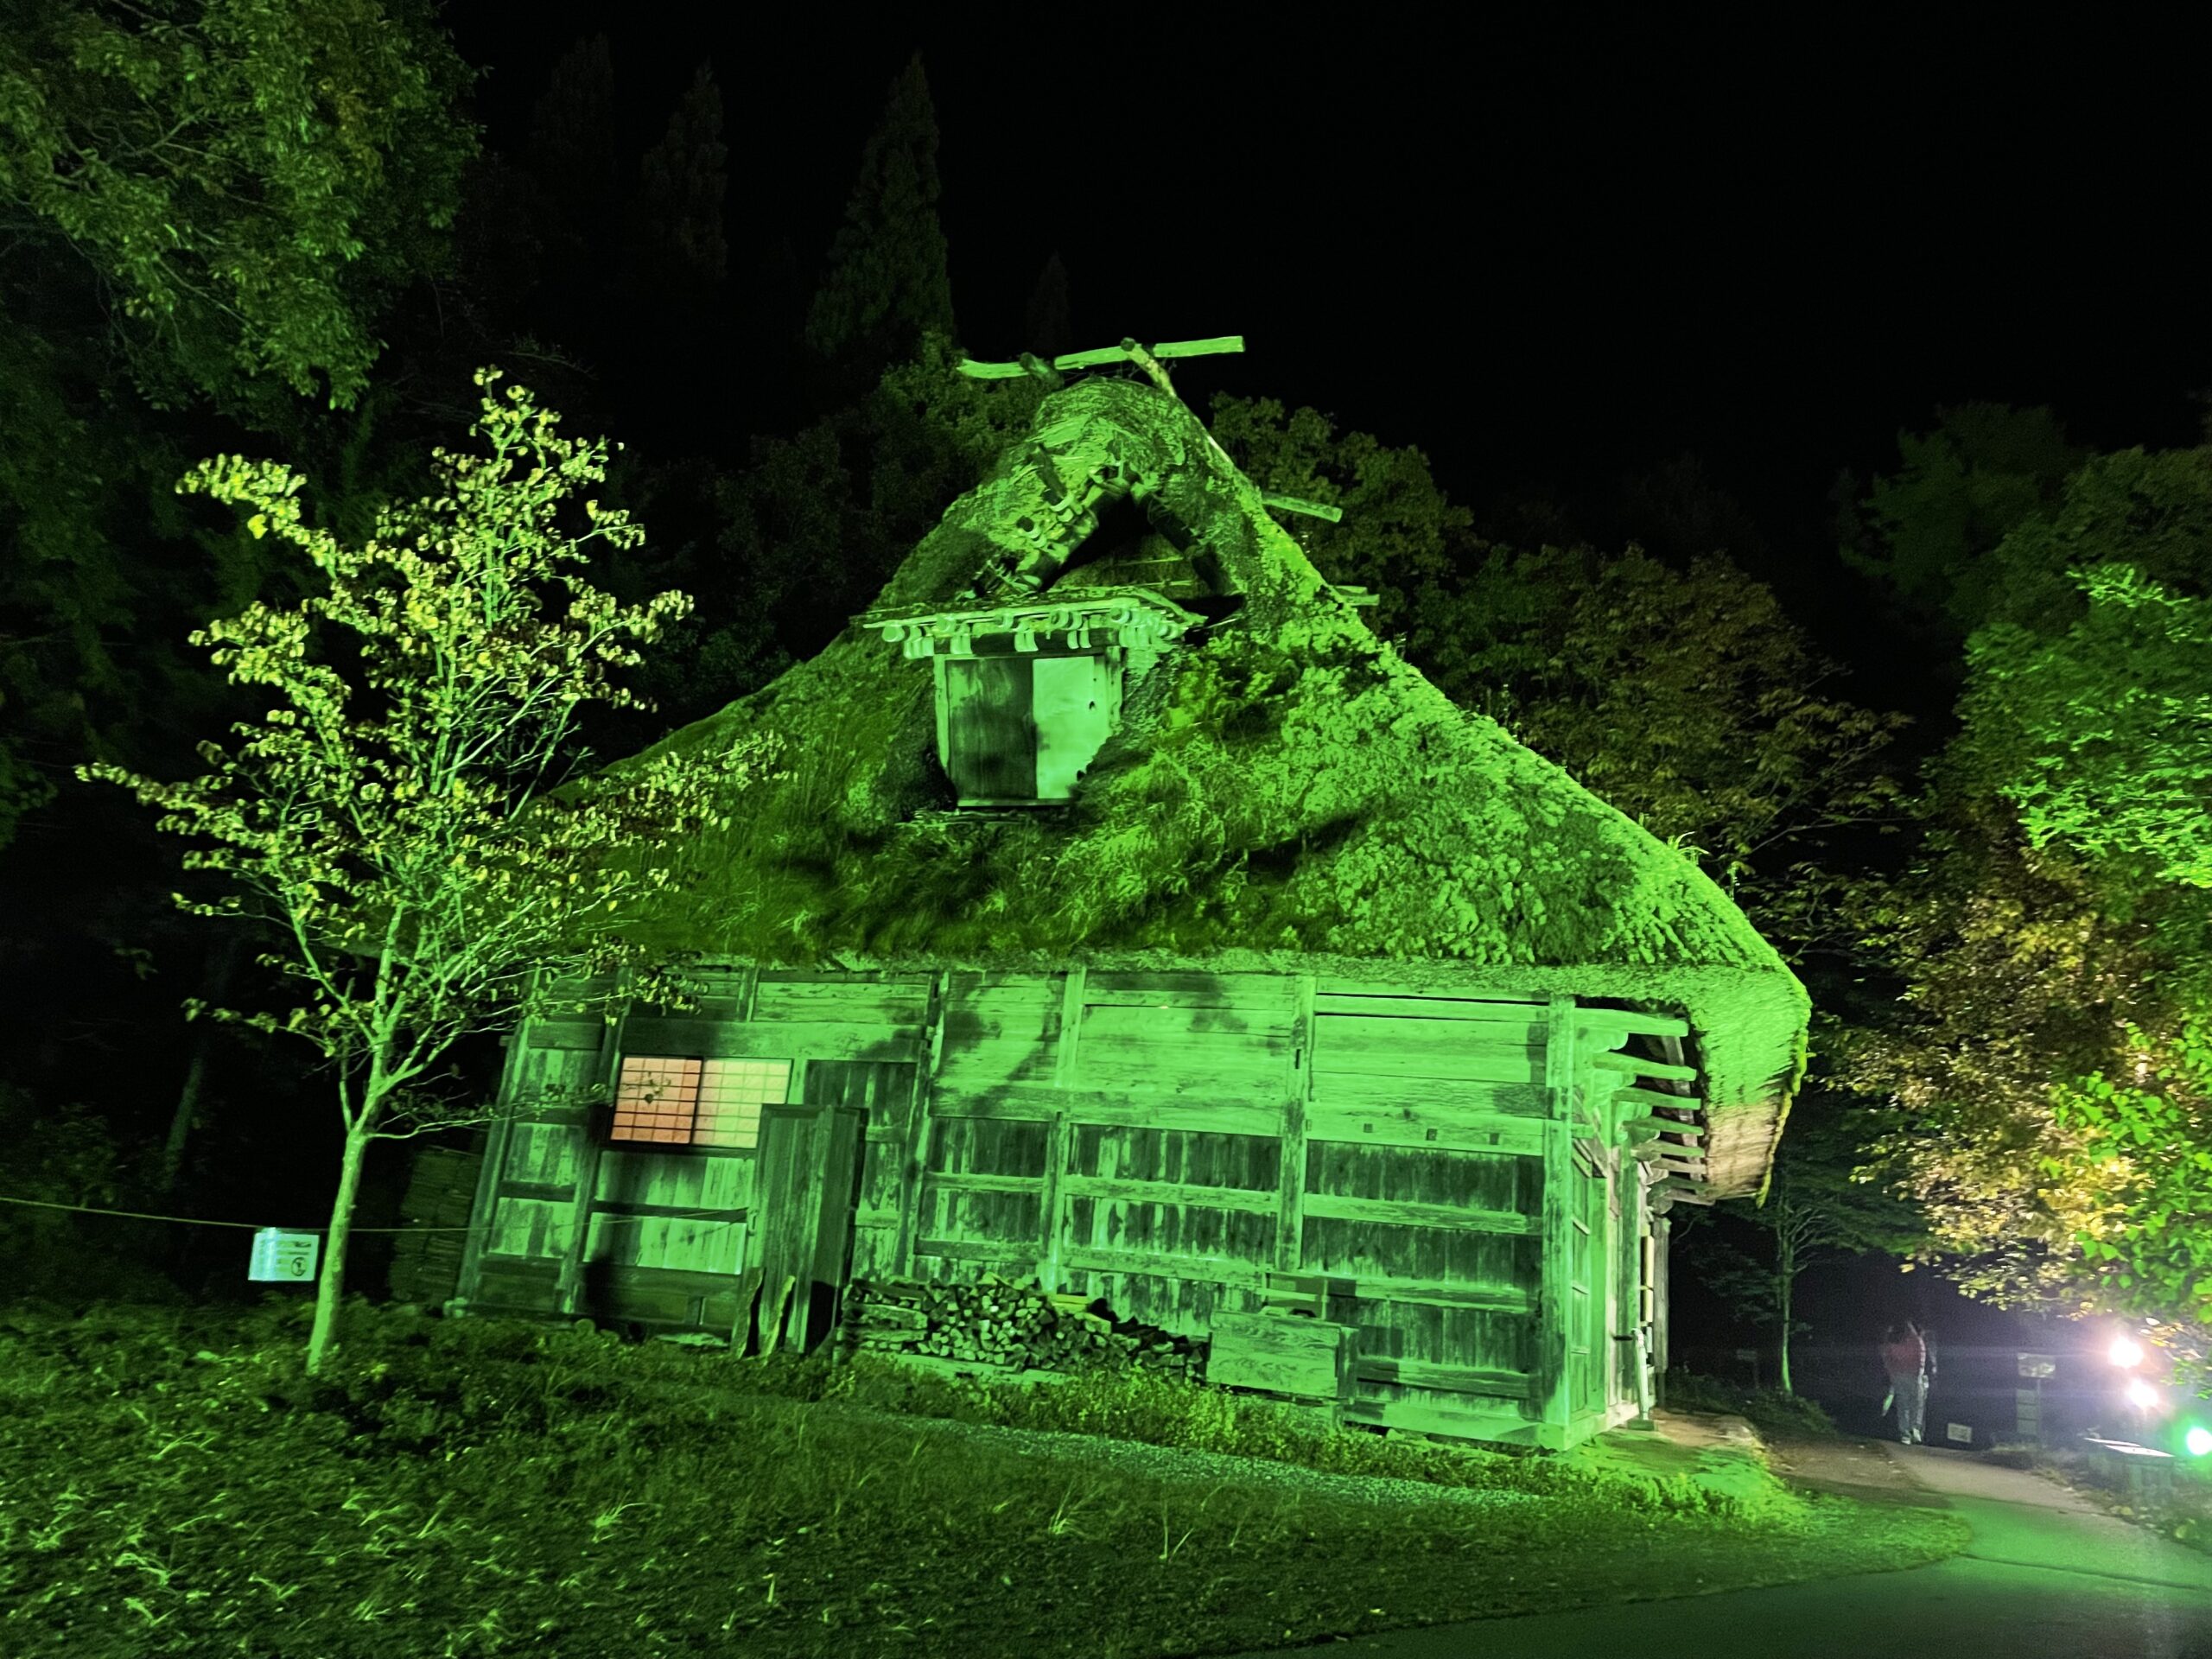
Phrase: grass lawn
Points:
(171, 1484)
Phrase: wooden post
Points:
(1553, 1377)
(471, 1277)
(916, 1150)
(570, 1286)
(810, 1164)
(1057, 1136)
(1290, 1218)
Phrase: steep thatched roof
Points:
(1283, 791)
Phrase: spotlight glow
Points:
(2140, 1394)
(2198, 1440)
(2127, 1352)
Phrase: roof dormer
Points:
(1028, 692)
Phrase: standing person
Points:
(1904, 1356)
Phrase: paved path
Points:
(2047, 1577)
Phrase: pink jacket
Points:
(1907, 1358)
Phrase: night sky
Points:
(1546, 253)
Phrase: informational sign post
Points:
(284, 1257)
(2028, 1401)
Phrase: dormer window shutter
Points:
(1023, 728)
(1027, 695)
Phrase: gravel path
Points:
(1209, 1468)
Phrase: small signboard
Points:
(2037, 1364)
(284, 1257)
(1747, 1355)
(1962, 1432)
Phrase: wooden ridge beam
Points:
(1102, 357)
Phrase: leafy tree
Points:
(1686, 698)
(1819, 1207)
(2089, 705)
(887, 283)
(251, 182)
(2056, 944)
(1399, 536)
(1927, 530)
(2012, 980)
(206, 205)
(811, 533)
(398, 819)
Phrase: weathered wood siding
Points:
(1178, 1144)
(664, 1236)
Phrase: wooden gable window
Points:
(1028, 692)
(1021, 729)
(682, 1103)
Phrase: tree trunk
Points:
(332, 1284)
(221, 962)
(1783, 1293)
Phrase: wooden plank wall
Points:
(1169, 1142)
(527, 1205)
(662, 1236)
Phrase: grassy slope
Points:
(170, 1484)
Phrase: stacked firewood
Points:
(1019, 1327)
(441, 1193)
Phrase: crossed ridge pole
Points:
(1149, 359)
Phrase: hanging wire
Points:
(608, 1216)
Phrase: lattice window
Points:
(695, 1103)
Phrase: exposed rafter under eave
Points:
(1134, 616)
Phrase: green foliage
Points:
(2056, 938)
(396, 821)
(1400, 537)
(2139, 1153)
(1960, 491)
(405, 819)
(1129, 1404)
(253, 180)
(1685, 698)
(64, 1153)
(1689, 699)
(2095, 720)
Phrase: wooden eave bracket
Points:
(1134, 614)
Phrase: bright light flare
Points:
(2141, 1395)
(2127, 1352)
(2198, 1440)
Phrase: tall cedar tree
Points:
(886, 283)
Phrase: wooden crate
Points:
(1281, 1353)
